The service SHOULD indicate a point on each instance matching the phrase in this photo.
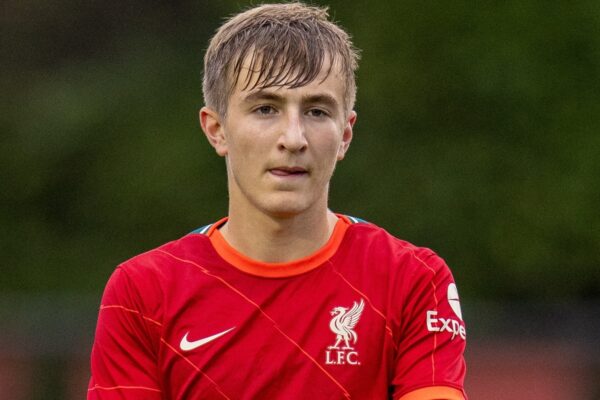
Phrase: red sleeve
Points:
(430, 350)
(123, 360)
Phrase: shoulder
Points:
(143, 281)
(164, 258)
(151, 273)
(382, 245)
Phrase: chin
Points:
(285, 207)
(285, 211)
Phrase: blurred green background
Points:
(477, 136)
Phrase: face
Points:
(281, 145)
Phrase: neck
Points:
(269, 238)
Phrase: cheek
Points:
(330, 143)
(329, 155)
(245, 155)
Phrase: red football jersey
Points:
(368, 316)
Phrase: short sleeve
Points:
(433, 334)
(123, 359)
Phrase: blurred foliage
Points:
(477, 136)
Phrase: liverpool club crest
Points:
(342, 325)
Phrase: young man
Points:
(283, 299)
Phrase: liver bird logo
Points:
(343, 323)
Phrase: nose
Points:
(293, 138)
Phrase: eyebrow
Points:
(321, 98)
(262, 95)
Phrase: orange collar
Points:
(280, 269)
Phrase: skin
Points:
(281, 146)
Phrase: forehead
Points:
(252, 78)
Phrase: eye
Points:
(265, 110)
(317, 112)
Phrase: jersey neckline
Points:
(279, 269)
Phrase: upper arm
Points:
(434, 393)
(433, 335)
(123, 359)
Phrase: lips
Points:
(288, 171)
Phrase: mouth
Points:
(288, 171)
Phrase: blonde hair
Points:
(286, 45)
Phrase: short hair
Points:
(286, 44)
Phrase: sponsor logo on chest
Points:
(342, 324)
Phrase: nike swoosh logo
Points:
(186, 345)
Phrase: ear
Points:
(212, 126)
(346, 135)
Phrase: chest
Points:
(315, 335)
